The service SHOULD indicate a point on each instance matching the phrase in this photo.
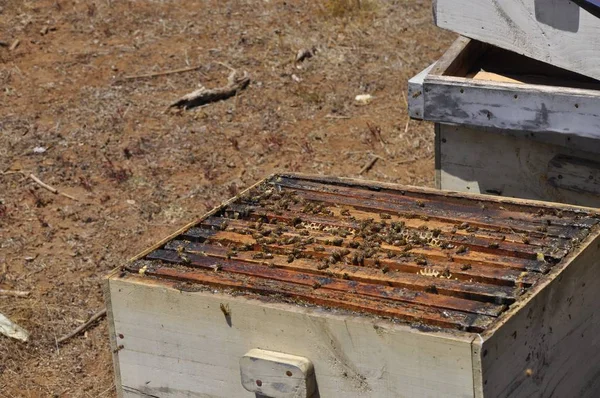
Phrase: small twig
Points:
(369, 165)
(336, 117)
(14, 293)
(227, 66)
(83, 327)
(14, 45)
(50, 188)
(164, 73)
(406, 127)
(407, 161)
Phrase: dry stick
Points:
(83, 327)
(14, 45)
(167, 72)
(14, 293)
(205, 96)
(336, 117)
(369, 165)
(50, 188)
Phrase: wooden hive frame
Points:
(358, 346)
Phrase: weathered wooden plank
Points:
(415, 101)
(410, 313)
(451, 95)
(553, 31)
(459, 100)
(547, 346)
(178, 343)
(574, 174)
(447, 234)
(408, 288)
(371, 269)
(508, 164)
(527, 213)
(407, 207)
(114, 339)
(526, 205)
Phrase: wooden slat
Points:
(370, 271)
(496, 245)
(523, 213)
(415, 97)
(436, 254)
(328, 283)
(396, 309)
(574, 174)
(514, 203)
(400, 204)
(255, 213)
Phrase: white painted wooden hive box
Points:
(326, 287)
(509, 125)
(557, 32)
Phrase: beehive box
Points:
(557, 32)
(374, 290)
(509, 125)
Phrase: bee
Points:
(225, 309)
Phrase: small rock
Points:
(363, 99)
(303, 54)
(296, 79)
(39, 149)
(130, 201)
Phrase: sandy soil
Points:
(139, 172)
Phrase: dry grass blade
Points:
(369, 165)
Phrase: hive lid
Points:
(416, 255)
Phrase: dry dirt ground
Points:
(138, 172)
